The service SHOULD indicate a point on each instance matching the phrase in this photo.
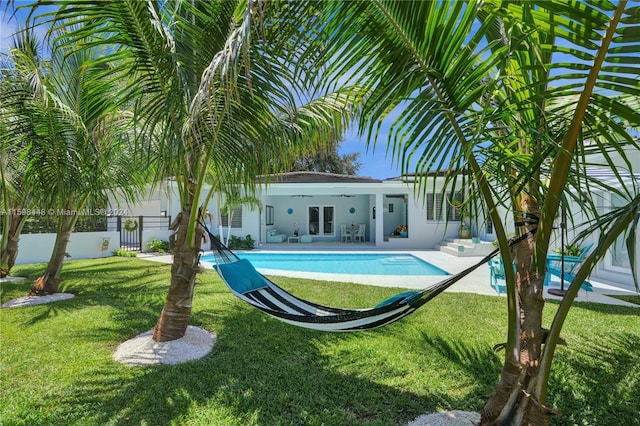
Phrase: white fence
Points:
(35, 248)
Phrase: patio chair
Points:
(359, 235)
(571, 266)
(345, 235)
(496, 272)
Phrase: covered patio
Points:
(322, 208)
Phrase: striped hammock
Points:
(248, 284)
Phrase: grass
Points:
(56, 363)
(630, 299)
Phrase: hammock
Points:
(246, 283)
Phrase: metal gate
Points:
(131, 227)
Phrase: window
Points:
(236, 217)
(453, 212)
(268, 213)
(489, 226)
(434, 206)
(321, 220)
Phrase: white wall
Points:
(35, 248)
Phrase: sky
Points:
(375, 163)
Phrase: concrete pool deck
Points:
(476, 282)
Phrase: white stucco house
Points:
(319, 205)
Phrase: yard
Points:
(56, 363)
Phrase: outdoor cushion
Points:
(242, 276)
(392, 299)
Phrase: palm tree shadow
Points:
(95, 285)
(577, 375)
(481, 363)
(262, 372)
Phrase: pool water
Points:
(341, 263)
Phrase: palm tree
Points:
(519, 94)
(15, 131)
(14, 204)
(72, 153)
(213, 89)
(14, 197)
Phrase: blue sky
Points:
(375, 162)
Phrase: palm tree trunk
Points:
(176, 313)
(9, 249)
(512, 403)
(49, 281)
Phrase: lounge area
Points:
(273, 236)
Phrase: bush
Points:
(239, 243)
(157, 246)
(124, 253)
(570, 250)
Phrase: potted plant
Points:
(464, 231)
(402, 231)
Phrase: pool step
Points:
(399, 260)
(460, 247)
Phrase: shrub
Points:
(239, 243)
(124, 253)
(157, 246)
(569, 250)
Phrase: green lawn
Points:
(56, 365)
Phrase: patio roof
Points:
(315, 177)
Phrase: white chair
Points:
(344, 234)
(359, 234)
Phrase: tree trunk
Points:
(9, 250)
(176, 313)
(49, 281)
(512, 403)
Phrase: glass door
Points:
(321, 220)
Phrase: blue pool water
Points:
(341, 263)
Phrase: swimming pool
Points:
(341, 263)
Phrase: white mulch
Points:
(447, 418)
(143, 350)
(10, 279)
(36, 300)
